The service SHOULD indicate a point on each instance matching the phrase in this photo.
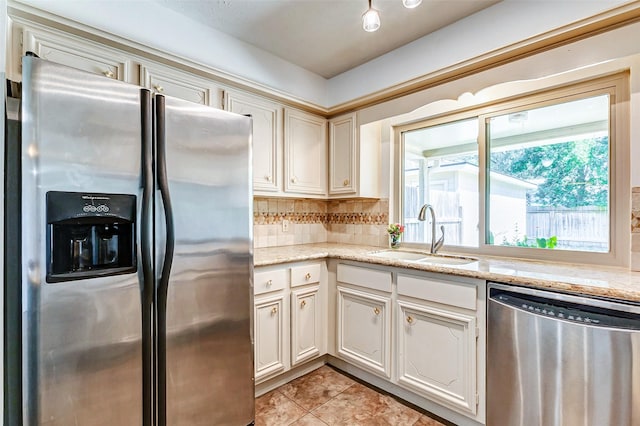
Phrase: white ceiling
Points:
(324, 36)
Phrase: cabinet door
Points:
(269, 333)
(305, 150)
(437, 354)
(267, 138)
(171, 82)
(364, 330)
(76, 53)
(306, 317)
(342, 155)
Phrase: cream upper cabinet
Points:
(267, 139)
(342, 155)
(305, 151)
(67, 50)
(354, 158)
(179, 84)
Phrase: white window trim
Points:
(548, 91)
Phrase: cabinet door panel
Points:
(305, 141)
(170, 82)
(267, 138)
(342, 155)
(364, 330)
(77, 54)
(269, 336)
(306, 338)
(436, 354)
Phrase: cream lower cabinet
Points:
(436, 329)
(306, 330)
(289, 317)
(436, 354)
(269, 335)
(364, 317)
(364, 329)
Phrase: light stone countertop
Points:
(603, 281)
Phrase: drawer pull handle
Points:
(307, 276)
(376, 310)
(294, 179)
(303, 303)
(409, 319)
(345, 182)
(267, 178)
(108, 73)
(274, 310)
(269, 283)
(158, 88)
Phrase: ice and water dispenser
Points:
(90, 235)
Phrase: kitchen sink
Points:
(412, 256)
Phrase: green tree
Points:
(568, 174)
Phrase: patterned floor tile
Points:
(275, 409)
(316, 388)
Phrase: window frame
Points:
(616, 85)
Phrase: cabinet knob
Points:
(307, 276)
(274, 310)
(345, 182)
(409, 319)
(294, 179)
(158, 88)
(376, 310)
(267, 178)
(108, 73)
(269, 283)
(303, 303)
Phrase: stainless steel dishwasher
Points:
(561, 360)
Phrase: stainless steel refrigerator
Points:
(129, 256)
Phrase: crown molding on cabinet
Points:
(22, 13)
(608, 20)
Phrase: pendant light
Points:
(410, 4)
(371, 19)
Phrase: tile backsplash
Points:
(318, 221)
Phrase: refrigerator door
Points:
(208, 378)
(82, 352)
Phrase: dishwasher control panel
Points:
(567, 311)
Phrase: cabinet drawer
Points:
(266, 281)
(439, 291)
(307, 274)
(365, 277)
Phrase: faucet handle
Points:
(440, 241)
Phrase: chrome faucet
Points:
(435, 245)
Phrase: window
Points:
(543, 176)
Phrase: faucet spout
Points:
(435, 245)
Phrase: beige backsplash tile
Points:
(318, 221)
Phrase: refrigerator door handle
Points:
(146, 247)
(163, 284)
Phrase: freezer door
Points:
(209, 356)
(81, 339)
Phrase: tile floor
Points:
(328, 397)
